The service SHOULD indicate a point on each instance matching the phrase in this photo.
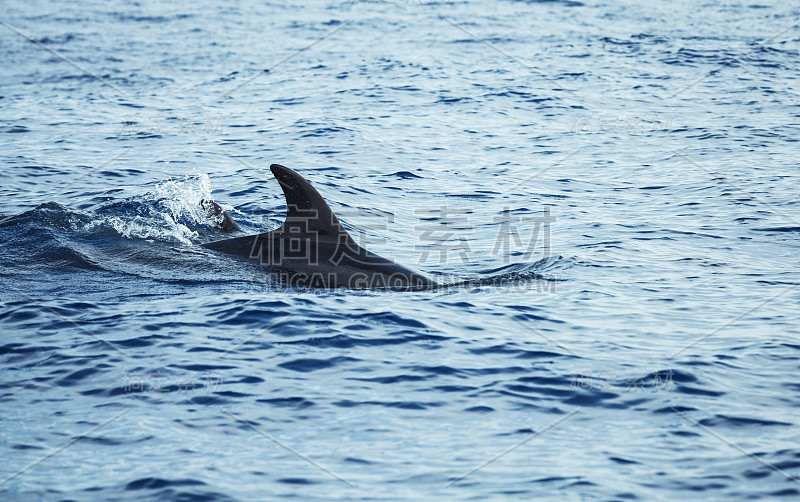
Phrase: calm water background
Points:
(649, 351)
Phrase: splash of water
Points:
(172, 212)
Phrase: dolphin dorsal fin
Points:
(305, 205)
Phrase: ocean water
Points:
(625, 173)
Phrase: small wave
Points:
(521, 275)
(778, 229)
(172, 212)
(719, 420)
(151, 483)
(309, 365)
(403, 175)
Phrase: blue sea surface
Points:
(622, 176)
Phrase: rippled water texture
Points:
(625, 173)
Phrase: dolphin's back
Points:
(312, 248)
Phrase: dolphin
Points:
(312, 248)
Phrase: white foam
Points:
(168, 213)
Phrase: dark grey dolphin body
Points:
(313, 249)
